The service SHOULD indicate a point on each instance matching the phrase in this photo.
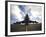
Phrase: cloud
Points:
(22, 8)
(34, 13)
(19, 11)
(15, 11)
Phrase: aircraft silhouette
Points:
(26, 20)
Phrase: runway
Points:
(30, 27)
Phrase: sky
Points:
(18, 13)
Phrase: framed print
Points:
(24, 18)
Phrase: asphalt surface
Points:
(29, 27)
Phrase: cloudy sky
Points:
(18, 12)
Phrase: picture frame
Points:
(7, 15)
